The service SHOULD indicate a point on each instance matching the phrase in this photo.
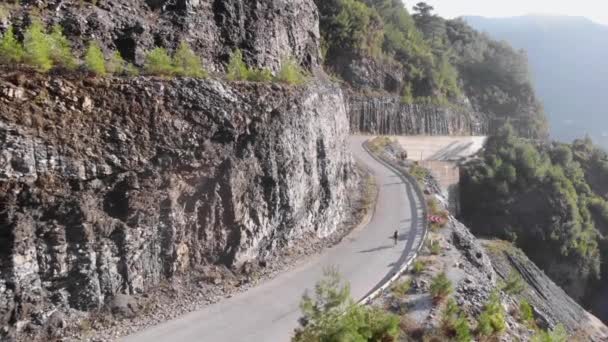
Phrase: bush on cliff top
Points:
(10, 49)
(158, 62)
(237, 70)
(37, 47)
(187, 63)
(94, 60)
(183, 63)
(61, 49)
(291, 73)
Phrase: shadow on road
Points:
(376, 249)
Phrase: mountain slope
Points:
(568, 58)
(378, 48)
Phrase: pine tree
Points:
(61, 50)
(237, 69)
(158, 62)
(117, 64)
(187, 63)
(37, 47)
(291, 73)
(94, 59)
(463, 331)
(10, 49)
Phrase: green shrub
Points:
(492, 318)
(401, 288)
(333, 316)
(291, 73)
(463, 331)
(61, 50)
(454, 322)
(435, 247)
(131, 70)
(116, 64)
(420, 173)
(379, 143)
(259, 75)
(159, 63)
(450, 315)
(441, 286)
(407, 97)
(525, 312)
(559, 334)
(94, 59)
(11, 50)
(37, 47)
(237, 69)
(187, 63)
(514, 284)
(418, 267)
(484, 325)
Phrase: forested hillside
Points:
(568, 59)
(551, 200)
(376, 45)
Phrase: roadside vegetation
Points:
(379, 143)
(332, 315)
(441, 287)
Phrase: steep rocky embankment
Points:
(114, 185)
(266, 31)
(551, 303)
(475, 268)
(386, 115)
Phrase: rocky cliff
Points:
(115, 185)
(266, 31)
(387, 115)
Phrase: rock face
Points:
(387, 115)
(368, 74)
(266, 30)
(112, 186)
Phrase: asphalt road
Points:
(269, 312)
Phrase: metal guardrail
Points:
(406, 177)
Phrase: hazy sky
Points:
(596, 10)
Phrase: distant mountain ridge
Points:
(569, 64)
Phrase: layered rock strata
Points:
(114, 185)
(386, 115)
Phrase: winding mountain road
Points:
(367, 257)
